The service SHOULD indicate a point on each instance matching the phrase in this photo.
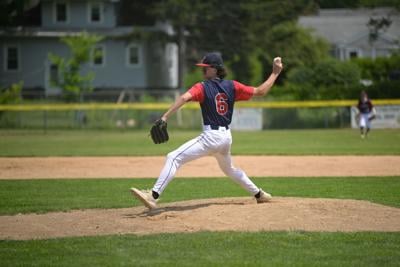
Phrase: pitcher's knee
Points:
(173, 158)
(233, 172)
(171, 155)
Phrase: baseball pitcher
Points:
(217, 98)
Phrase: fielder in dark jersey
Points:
(366, 113)
(217, 98)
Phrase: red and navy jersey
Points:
(217, 98)
(365, 107)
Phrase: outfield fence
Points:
(274, 114)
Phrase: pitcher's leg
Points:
(239, 176)
(189, 151)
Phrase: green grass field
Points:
(289, 248)
(136, 143)
(25, 196)
(209, 249)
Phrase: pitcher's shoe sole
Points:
(143, 197)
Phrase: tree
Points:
(327, 73)
(11, 12)
(296, 45)
(375, 26)
(19, 12)
(358, 3)
(334, 73)
(71, 81)
(11, 95)
(378, 69)
(239, 31)
(328, 79)
(232, 29)
(181, 14)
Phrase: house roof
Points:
(341, 26)
(55, 33)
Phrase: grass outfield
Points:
(209, 249)
(26, 196)
(136, 143)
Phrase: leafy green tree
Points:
(240, 33)
(182, 15)
(328, 79)
(357, 3)
(11, 95)
(336, 73)
(11, 12)
(296, 45)
(72, 81)
(379, 69)
(234, 29)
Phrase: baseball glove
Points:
(158, 132)
(372, 117)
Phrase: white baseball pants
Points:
(364, 120)
(216, 143)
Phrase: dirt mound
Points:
(223, 214)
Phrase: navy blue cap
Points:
(211, 60)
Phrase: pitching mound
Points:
(223, 214)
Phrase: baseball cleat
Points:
(264, 197)
(145, 196)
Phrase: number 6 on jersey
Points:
(220, 103)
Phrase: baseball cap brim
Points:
(203, 65)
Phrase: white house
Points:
(347, 31)
(125, 62)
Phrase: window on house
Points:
(12, 58)
(353, 54)
(61, 12)
(98, 56)
(133, 55)
(95, 12)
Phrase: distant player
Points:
(217, 97)
(365, 114)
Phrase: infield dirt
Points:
(150, 167)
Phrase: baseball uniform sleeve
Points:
(242, 92)
(197, 92)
